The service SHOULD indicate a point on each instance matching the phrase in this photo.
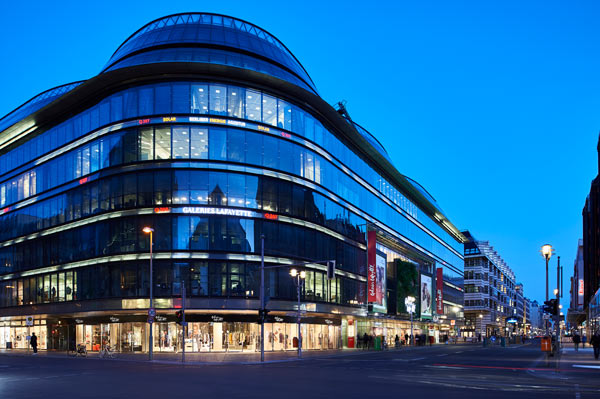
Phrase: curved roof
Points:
(35, 103)
(210, 30)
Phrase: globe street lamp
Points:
(455, 309)
(480, 324)
(299, 280)
(547, 253)
(409, 302)
(149, 230)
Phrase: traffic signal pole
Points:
(262, 297)
(557, 311)
(183, 323)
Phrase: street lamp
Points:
(409, 302)
(299, 280)
(547, 253)
(480, 324)
(149, 230)
(455, 309)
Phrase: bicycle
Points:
(107, 352)
(80, 350)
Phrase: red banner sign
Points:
(439, 291)
(371, 267)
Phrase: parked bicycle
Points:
(107, 352)
(79, 350)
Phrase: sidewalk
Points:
(584, 357)
(216, 358)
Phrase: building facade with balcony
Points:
(490, 290)
(207, 129)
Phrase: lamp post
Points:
(547, 253)
(262, 297)
(299, 280)
(409, 302)
(480, 324)
(455, 309)
(149, 230)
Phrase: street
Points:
(448, 370)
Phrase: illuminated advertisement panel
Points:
(376, 275)
(380, 305)
(425, 293)
(371, 267)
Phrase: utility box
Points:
(546, 344)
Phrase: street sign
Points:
(151, 312)
(150, 319)
(29, 321)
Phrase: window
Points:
(235, 102)
(269, 114)
(253, 105)
(199, 99)
(181, 142)
(218, 100)
(199, 143)
(146, 144)
(163, 142)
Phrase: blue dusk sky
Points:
(492, 106)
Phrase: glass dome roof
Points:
(210, 30)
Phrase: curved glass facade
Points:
(214, 30)
(213, 166)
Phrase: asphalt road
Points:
(465, 371)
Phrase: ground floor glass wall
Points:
(167, 336)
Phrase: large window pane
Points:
(199, 99)
(199, 231)
(235, 104)
(269, 111)
(199, 143)
(218, 99)
(181, 98)
(217, 146)
(163, 142)
(181, 142)
(253, 105)
(146, 101)
(163, 99)
(236, 145)
(146, 144)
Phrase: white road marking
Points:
(583, 366)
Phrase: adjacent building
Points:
(491, 304)
(209, 131)
(576, 311)
(537, 318)
(591, 249)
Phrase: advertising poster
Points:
(439, 291)
(371, 267)
(426, 298)
(380, 305)
(407, 284)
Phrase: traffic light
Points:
(179, 316)
(330, 269)
(551, 307)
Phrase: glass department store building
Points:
(207, 129)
